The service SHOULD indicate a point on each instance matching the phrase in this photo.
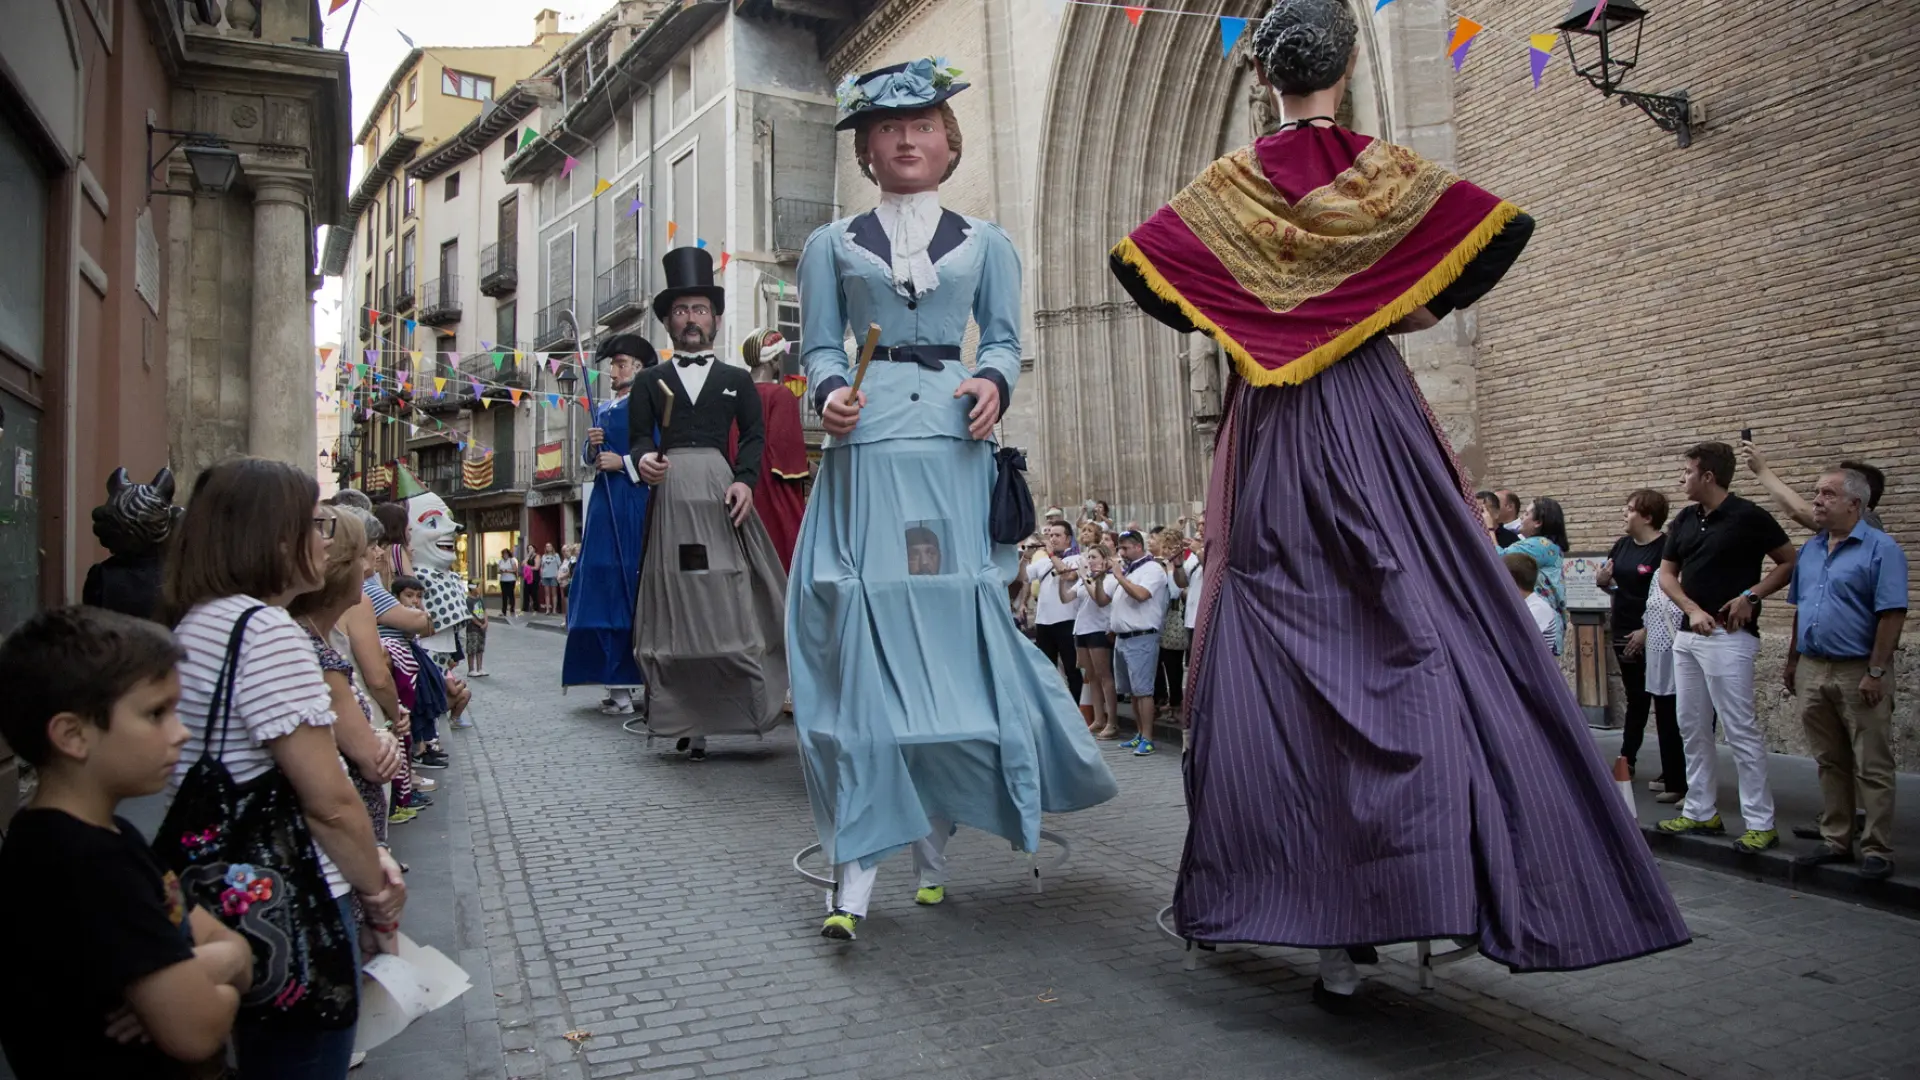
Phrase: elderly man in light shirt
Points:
(1138, 608)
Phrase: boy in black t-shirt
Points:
(107, 975)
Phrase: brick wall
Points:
(1763, 278)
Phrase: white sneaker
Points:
(617, 710)
(425, 783)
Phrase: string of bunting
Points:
(1464, 33)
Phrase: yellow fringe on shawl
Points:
(1320, 359)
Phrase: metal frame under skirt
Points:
(1427, 959)
(1037, 869)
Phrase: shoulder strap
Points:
(220, 708)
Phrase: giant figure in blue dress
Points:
(601, 597)
(919, 704)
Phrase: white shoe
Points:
(425, 783)
(617, 710)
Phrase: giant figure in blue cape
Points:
(605, 580)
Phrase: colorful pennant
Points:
(1539, 55)
(1230, 31)
(1134, 13)
(571, 164)
(602, 187)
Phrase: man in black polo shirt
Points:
(1711, 568)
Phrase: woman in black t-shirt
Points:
(1631, 571)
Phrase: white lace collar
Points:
(910, 222)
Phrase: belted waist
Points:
(931, 357)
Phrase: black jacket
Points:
(728, 399)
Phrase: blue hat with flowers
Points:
(917, 84)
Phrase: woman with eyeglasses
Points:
(253, 538)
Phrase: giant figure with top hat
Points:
(707, 622)
(920, 706)
(605, 584)
(1381, 747)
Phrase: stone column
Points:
(280, 373)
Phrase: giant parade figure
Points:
(780, 499)
(919, 704)
(1382, 749)
(707, 622)
(604, 589)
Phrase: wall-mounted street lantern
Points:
(1610, 47)
(214, 163)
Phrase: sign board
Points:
(1576, 580)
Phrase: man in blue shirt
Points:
(1850, 592)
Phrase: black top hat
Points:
(689, 273)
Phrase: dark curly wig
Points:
(1304, 46)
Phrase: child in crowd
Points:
(476, 632)
(1526, 575)
(107, 972)
(430, 686)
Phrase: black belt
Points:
(931, 357)
(1132, 633)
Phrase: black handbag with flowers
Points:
(244, 852)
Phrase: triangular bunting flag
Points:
(373, 356)
(604, 185)
(419, 358)
(498, 359)
(1460, 54)
(335, 5)
(485, 402)
(1230, 31)
(635, 206)
(439, 386)
(372, 316)
(1133, 14)
(725, 258)
(326, 353)
(1540, 55)
(571, 164)
(514, 393)
(672, 227)
(1381, 4)
(453, 360)
(411, 327)
(583, 401)
(526, 138)
(476, 387)
(1464, 31)
(486, 346)
(699, 242)
(1599, 10)
(553, 366)
(553, 401)
(518, 356)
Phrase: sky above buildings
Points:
(382, 34)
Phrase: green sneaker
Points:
(1757, 840)
(402, 815)
(930, 895)
(1683, 824)
(839, 926)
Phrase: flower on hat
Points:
(912, 87)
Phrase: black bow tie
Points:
(689, 361)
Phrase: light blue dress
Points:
(914, 694)
(1546, 555)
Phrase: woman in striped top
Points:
(252, 538)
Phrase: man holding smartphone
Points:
(1712, 569)
(1053, 616)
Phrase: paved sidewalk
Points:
(618, 890)
(1796, 795)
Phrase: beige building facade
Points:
(1760, 278)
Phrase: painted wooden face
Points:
(909, 152)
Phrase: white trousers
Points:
(856, 881)
(1713, 675)
(1338, 972)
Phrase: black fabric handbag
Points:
(1010, 517)
(244, 852)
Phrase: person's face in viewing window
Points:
(923, 552)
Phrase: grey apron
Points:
(709, 628)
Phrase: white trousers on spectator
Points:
(856, 881)
(1713, 675)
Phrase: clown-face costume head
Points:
(432, 531)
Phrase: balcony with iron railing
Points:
(499, 269)
(440, 301)
(794, 220)
(512, 473)
(403, 297)
(554, 326)
(617, 294)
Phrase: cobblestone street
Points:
(594, 884)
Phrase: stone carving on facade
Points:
(1262, 110)
(1202, 361)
